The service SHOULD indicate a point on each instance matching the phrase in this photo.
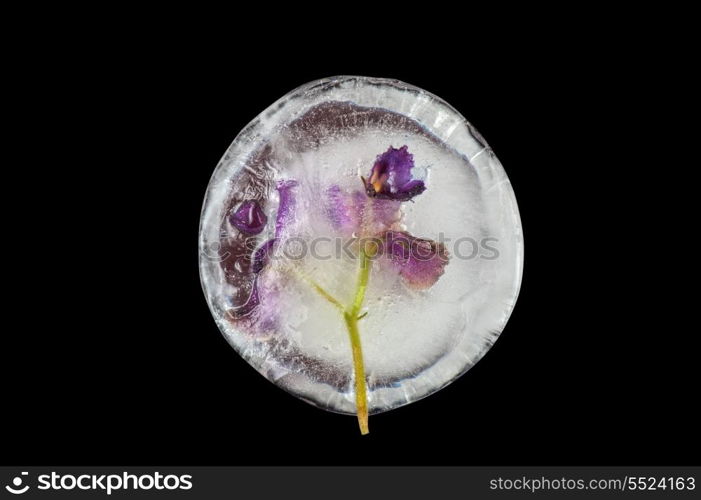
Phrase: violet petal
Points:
(285, 210)
(381, 215)
(262, 255)
(419, 261)
(354, 213)
(285, 213)
(249, 218)
(344, 210)
(390, 177)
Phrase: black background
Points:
(113, 357)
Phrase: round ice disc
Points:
(330, 163)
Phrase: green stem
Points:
(361, 397)
(363, 274)
(319, 289)
(326, 294)
(351, 317)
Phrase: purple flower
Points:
(261, 256)
(285, 215)
(355, 213)
(249, 218)
(419, 261)
(373, 213)
(286, 207)
(390, 177)
(376, 213)
(344, 210)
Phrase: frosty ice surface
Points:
(324, 167)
